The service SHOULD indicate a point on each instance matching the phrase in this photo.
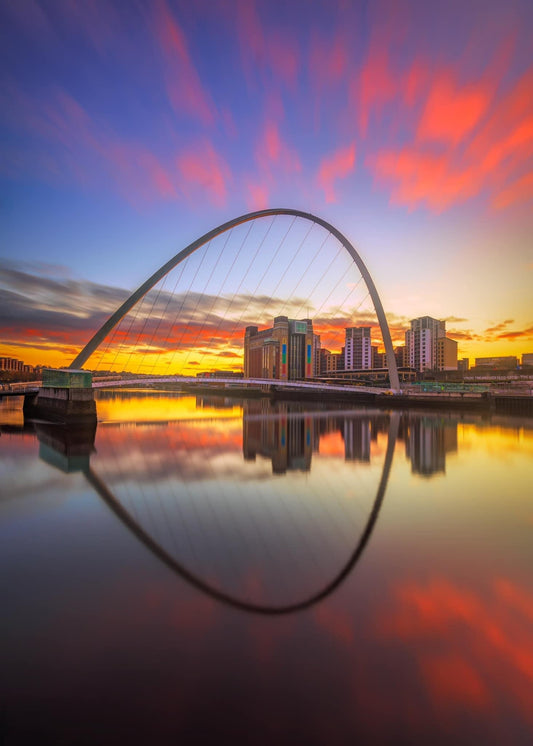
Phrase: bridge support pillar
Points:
(66, 396)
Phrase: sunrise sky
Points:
(129, 129)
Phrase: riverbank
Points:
(477, 402)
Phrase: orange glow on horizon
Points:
(134, 408)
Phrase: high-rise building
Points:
(446, 354)
(379, 359)
(402, 358)
(317, 346)
(330, 361)
(284, 352)
(527, 359)
(358, 348)
(421, 342)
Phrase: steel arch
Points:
(128, 304)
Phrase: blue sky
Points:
(128, 130)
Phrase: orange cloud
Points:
(337, 166)
(524, 333)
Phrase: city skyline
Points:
(126, 135)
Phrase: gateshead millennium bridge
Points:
(136, 296)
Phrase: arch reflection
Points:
(213, 589)
(309, 567)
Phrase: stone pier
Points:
(66, 396)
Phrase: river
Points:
(247, 572)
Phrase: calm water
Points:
(267, 574)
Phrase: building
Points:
(284, 352)
(402, 358)
(527, 359)
(10, 363)
(506, 362)
(357, 348)
(379, 359)
(316, 354)
(446, 354)
(330, 361)
(463, 364)
(421, 342)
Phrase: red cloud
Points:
(272, 150)
(464, 138)
(520, 190)
(184, 87)
(419, 177)
(451, 112)
(453, 681)
(471, 651)
(257, 196)
(336, 166)
(204, 170)
(375, 87)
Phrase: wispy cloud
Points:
(334, 167)
(184, 88)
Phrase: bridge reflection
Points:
(262, 556)
(268, 542)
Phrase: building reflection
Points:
(427, 442)
(289, 436)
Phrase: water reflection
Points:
(278, 554)
(427, 441)
(98, 635)
(291, 435)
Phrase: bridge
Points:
(264, 383)
(283, 271)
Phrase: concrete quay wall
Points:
(65, 405)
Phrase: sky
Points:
(128, 130)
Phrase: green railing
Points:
(436, 387)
